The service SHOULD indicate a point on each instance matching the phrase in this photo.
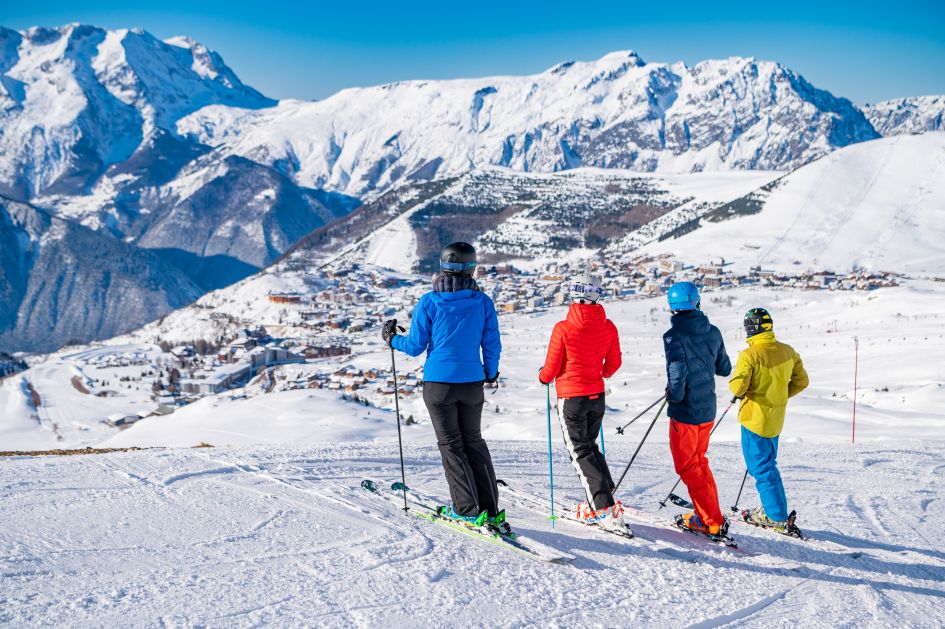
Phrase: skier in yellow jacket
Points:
(766, 375)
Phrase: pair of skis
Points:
(791, 530)
(424, 507)
(528, 501)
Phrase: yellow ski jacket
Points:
(766, 375)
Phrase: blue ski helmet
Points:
(683, 296)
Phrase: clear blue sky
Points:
(866, 51)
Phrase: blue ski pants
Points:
(761, 458)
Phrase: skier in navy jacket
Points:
(454, 323)
(695, 355)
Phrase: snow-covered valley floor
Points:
(283, 536)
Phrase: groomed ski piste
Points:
(284, 536)
(255, 532)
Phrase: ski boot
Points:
(693, 523)
(584, 513)
(613, 521)
(608, 518)
(472, 521)
(499, 524)
(758, 517)
(587, 515)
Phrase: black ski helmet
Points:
(758, 320)
(458, 258)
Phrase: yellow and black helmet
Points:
(758, 320)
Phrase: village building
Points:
(285, 298)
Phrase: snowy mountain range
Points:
(87, 137)
(615, 112)
(908, 115)
(159, 147)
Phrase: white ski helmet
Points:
(585, 289)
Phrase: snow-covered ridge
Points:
(908, 115)
(615, 112)
(77, 99)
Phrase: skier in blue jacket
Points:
(456, 325)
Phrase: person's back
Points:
(452, 327)
(768, 372)
(454, 323)
(695, 355)
(583, 351)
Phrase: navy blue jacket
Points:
(695, 354)
(453, 327)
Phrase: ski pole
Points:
(603, 451)
(551, 472)
(620, 429)
(739, 497)
(627, 469)
(400, 442)
(856, 372)
(671, 496)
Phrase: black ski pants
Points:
(456, 412)
(580, 419)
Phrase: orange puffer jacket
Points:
(584, 349)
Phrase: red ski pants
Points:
(689, 443)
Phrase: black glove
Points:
(667, 396)
(491, 380)
(389, 331)
(539, 377)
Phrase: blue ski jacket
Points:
(452, 327)
(695, 354)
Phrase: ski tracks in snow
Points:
(284, 536)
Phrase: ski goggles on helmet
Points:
(456, 266)
(586, 289)
(758, 321)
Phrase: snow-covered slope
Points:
(284, 536)
(615, 112)
(878, 205)
(908, 115)
(531, 218)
